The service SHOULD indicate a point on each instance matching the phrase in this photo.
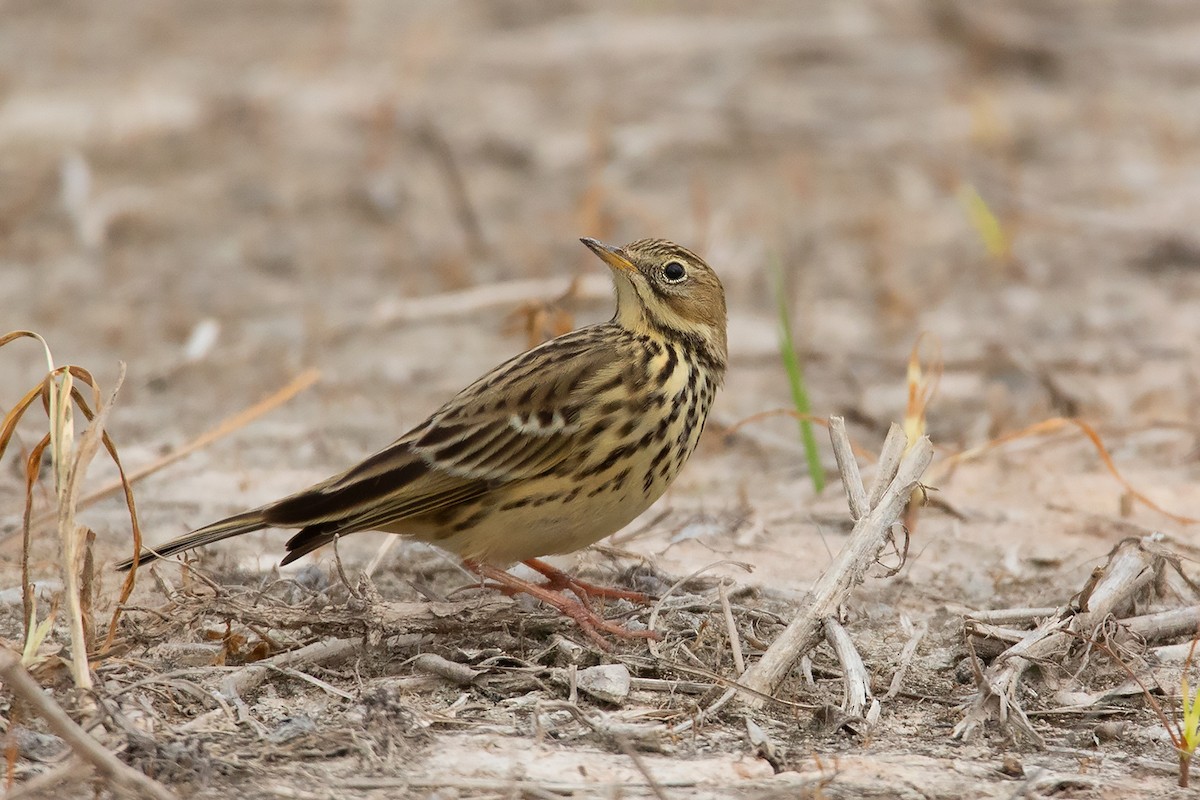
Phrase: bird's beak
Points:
(610, 255)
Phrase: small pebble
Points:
(291, 728)
(609, 683)
(456, 673)
(1110, 731)
(37, 746)
(570, 652)
(1012, 767)
(964, 673)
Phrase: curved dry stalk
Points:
(72, 460)
(62, 392)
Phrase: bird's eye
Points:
(674, 272)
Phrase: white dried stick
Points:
(857, 683)
(856, 493)
(894, 447)
(832, 589)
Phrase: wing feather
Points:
(518, 421)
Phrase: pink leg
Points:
(588, 621)
(559, 580)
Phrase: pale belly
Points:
(507, 536)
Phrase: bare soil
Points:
(304, 178)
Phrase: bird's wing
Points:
(514, 423)
(527, 415)
(395, 481)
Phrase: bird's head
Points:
(666, 290)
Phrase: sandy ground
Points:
(302, 179)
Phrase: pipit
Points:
(549, 452)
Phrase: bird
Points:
(549, 452)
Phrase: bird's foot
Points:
(558, 580)
(588, 620)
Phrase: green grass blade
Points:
(791, 363)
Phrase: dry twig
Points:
(1165, 624)
(122, 776)
(735, 641)
(412, 617)
(1013, 616)
(250, 676)
(915, 634)
(856, 681)
(870, 536)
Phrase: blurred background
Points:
(221, 194)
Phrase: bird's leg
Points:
(558, 580)
(588, 621)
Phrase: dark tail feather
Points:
(308, 539)
(231, 526)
